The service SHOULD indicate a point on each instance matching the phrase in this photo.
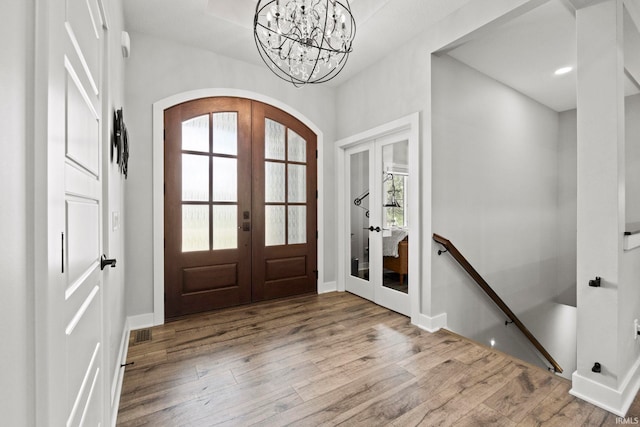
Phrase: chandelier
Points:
(304, 41)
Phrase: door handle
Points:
(378, 229)
(104, 262)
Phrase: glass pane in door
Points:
(225, 133)
(224, 184)
(274, 225)
(359, 214)
(225, 227)
(273, 140)
(195, 177)
(195, 134)
(297, 183)
(274, 182)
(395, 231)
(297, 225)
(195, 228)
(297, 151)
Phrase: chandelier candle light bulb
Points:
(304, 41)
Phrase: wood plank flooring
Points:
(334, 359)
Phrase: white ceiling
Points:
(525, 52)
(226, 26)
(522, 53)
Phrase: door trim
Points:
(409, 125)
(158, 179)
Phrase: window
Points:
(395, 188)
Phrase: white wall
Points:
(400, 85)
(567, 198)
(158, 69)
(495, 193)
(17, 327)
(628, 310)
(629, 289)
(605, 313)
(113, 239)
(632, 149)
(393, 88)
(403, 85)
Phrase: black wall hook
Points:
(596, 368)
(104, 262)
(595, 283)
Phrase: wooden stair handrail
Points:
(455, 253)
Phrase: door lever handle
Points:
(378, 229)
(104, 261)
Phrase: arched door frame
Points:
(158, 179)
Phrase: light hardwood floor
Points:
(334, 359)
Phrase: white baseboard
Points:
(140, 321)
(325, 287)
(430, 324)
(616, 401)
(118, 375)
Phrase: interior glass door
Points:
(359, 166)
(378, 227)
(392, 169)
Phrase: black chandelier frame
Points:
(310, 42)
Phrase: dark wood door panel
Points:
(287, 287)
(194, 303)
(276, 269)
(213, 277)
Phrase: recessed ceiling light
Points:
(563, 70)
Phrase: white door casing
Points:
(69, 316)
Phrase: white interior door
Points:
(378, 222)
(71, 381)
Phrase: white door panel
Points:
(83, 242)
(83, 124)
(84, 28)
(72, 364)
(76, 182)
(83, 355)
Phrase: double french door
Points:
(240, 205)
(378, 222)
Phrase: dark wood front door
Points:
(240, 205)
(284, 205)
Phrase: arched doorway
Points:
(240, 203)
